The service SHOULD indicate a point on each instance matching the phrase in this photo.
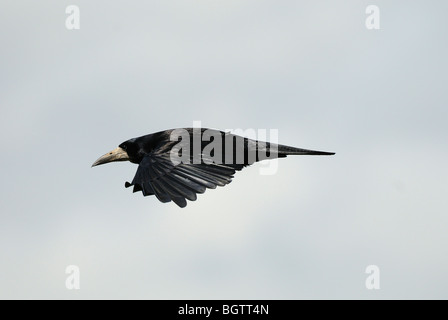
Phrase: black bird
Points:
(175, 165)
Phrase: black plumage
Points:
(202, 167)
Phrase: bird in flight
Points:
(177, 164)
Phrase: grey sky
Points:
(310, 69)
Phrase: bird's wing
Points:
(157, 175)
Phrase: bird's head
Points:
(132, 150)
(127, 151)
(118, 154)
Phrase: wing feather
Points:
(157, 175)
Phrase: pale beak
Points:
(115, 155)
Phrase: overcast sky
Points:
(310, 69)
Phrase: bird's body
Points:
(176, 164)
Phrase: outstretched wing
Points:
(157, 175)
